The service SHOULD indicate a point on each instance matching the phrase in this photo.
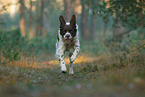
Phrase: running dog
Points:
(67, 43)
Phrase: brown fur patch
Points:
(69, 45)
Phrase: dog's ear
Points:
(62, 21)
(73, 21)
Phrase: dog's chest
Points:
(69, 46)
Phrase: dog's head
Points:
(68, 29)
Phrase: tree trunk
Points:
(104, 32)
(30, 21)
(67, 9)
(37, 18)
(84, 22)
(92, 27)
(22, 18)
(141, 16)
(93, 21)
(41, 16)
(116, 30)
(76, 4)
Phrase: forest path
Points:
(53, 63)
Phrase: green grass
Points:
(106, 77)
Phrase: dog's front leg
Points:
(62, 64)
(60, 56)
(75, 53)
(72, 57)
(71, 65)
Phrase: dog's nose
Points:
(67, 35)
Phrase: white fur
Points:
(67, 33)
(67, 23)
(71, 51)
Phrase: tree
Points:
(125, 13)
(22, 18)
(92, 27)
(93, 22)
(76, 5)
(30, 20)
(128, 12)
(67, 9)
(39, 17)
(104, 31)
(84, 21)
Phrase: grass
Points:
(103, 76)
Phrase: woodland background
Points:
(112, 56)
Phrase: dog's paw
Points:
(63, 67)
(71, 72)
(63, 72)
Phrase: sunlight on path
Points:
(80, 59)
(52, 63)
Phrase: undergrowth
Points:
(111, 75)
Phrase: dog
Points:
(67, 43)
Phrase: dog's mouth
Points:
(67, 40)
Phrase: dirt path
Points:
(52, 63)
(80, 59)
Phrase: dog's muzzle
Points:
(67, 37)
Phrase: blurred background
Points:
(111, 62)
(29, 27)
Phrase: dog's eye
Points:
(70, 31)
(64, 31)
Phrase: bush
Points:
(12, 43)
(9, 43)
